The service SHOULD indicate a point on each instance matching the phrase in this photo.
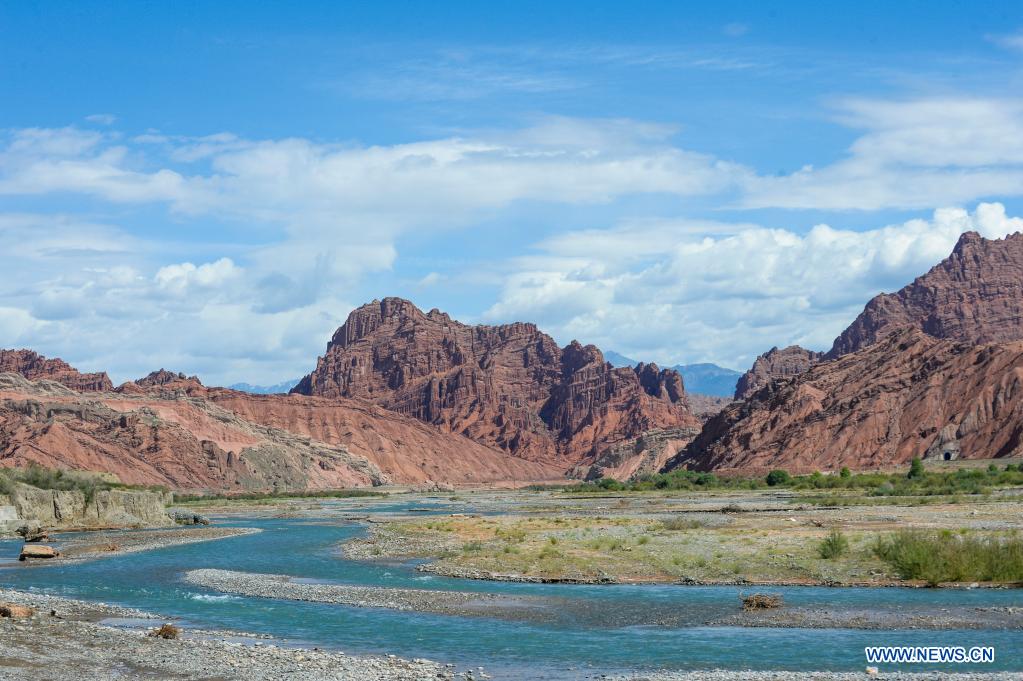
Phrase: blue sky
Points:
(211, 187)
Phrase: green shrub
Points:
(949, 557)
(916, 468)
(778, 477)
(845, 473)
(834, 545)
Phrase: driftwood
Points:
(760, 601)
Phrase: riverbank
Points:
(75, 644)
(765, 538)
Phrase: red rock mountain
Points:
(509, 387)
(932, 370)
(35, 367)
(773, 365)
(907, 395)
(974, 295)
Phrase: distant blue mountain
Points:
(619, 360)
(708, 379)
(264, 389)
(705, 379)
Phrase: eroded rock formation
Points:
(34, 366)
(773, 365)
(908, 395)
(509, 387)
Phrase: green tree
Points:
(916, 468)
(778, 477)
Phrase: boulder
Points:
(38, 551)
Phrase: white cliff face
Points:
(60, 509)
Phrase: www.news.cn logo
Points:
(929, 654)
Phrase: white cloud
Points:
(914, 154)
(678, 297)
(328, 214)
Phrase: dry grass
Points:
(166, 631)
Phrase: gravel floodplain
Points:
(73, 644)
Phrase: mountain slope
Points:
(974, 295)
(908, 395)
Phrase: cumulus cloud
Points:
(678, 297)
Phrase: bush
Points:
(845, 473)
(949, 557)
(916, 468)
(778, 477)
(834, 545)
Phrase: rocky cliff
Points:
(509, 387)
(34, 366)
(975, 295)
(72, 509)
(773, 365)
(908, 395)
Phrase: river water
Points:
(603, 631)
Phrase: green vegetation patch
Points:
(947, 556)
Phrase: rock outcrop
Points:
(908, 395)
(639, 456)
(34, 366)
(67, 509)
(773, 365)
(509, 387)
(975, 295)
(161, 378)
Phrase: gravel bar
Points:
(72, 645)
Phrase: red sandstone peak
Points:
(509, 386)
(974, 295)
(34, 366)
